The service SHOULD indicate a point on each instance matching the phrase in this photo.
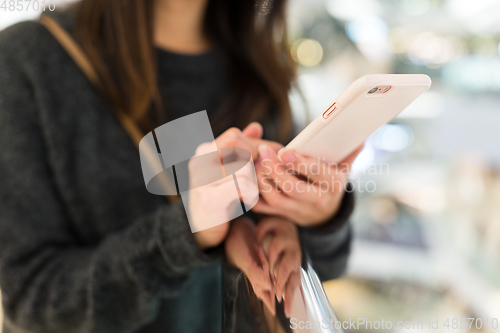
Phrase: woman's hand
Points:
(242, 251)
(205, 202)
(302, 189)
(280, 241)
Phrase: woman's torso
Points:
(95, 167)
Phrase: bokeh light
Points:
(307, 52)
(371, 35)
(393, 137)
(367, 29)
(433, 50)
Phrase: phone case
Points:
(356, 114)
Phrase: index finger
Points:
(313, 168)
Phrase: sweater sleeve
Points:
(50, 281)
(328, 245)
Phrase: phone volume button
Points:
(331, 109)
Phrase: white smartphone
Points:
(367, 104)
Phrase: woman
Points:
(83, 246)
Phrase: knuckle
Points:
(300, 187)
(291, 190)
(229, 138)
(202, 148)
(296, 257)
(273, 200)
(234, 132)
(322, 203)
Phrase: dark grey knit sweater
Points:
(83, 246)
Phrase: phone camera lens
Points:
(373, 90)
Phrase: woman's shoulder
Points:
(27, 51)
(23, 51)
(23, 38)
(28, 41)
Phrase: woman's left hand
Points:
(301, 189)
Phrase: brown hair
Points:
(117, 36)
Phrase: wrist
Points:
(325, 219)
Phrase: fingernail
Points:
(286, 156)
(263, 151)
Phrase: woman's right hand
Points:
(204, 202)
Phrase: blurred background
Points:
(427, 222)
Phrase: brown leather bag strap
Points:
(81, 60)
(71, 47)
